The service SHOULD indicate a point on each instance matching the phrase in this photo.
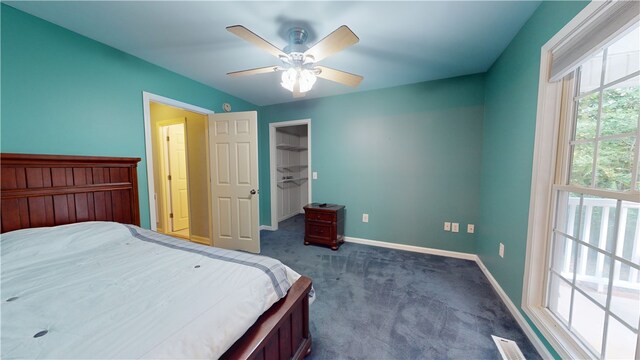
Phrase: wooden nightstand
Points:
(324, 225)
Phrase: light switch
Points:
(447, 226)
(471, 228)
(455, 227)
(315, 175)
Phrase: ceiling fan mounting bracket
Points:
(297, 40)
(298, 36)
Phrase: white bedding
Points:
(107, 290)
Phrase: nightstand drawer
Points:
(320, 216)
(318, 229)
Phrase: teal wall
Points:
(63, 93)
(408, 156)
(511, 97)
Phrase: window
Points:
(593, 278)
(582, 272)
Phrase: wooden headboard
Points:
(48, 190)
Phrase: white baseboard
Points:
(418, 249)
(542, 350)
(537, 343)
(267, 227)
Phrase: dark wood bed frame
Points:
(49, 190)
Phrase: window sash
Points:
(568, 123)
(630, 195)
(577, 239)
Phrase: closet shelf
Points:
(291, 167)
(292, 180)
(290, 147)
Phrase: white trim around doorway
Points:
(272, 165)
(147, 98)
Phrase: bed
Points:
(81, 212)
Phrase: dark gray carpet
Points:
(376, 303)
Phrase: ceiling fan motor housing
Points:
(297, 40)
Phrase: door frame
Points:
(272, 164)
(147, 98)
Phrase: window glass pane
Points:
(559, 298)
(638, 175)
(598, 227)
(569, 213)
(563, 256)
(592, 273)
(623, 56)
(590, 73)
(621, 342)
(587, 116)
(582, 164)
(625, 299)
(620, 108)
(614, 164)
(628, 246)
(587, 322)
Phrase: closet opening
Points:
(290, 162)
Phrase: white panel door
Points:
(233, 146)
(178, 172)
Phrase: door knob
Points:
(252, 192)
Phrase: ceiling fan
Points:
(299, 69)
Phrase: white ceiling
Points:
(400, 42)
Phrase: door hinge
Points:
(170, 215)
(169, 177)
(167, 138)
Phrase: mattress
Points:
(108, 290)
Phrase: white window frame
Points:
(545, 168)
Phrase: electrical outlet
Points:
(315, 175)
(365, 218)
(455, 227)
(471, 228)
(447, 226)
(501, 250)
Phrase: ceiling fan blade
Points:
(338, 40)
(338, 76)
(262, 70)
(251, 37)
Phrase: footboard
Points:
(280, 333)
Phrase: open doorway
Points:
(290, 161)
(174, 173)
(179, 172)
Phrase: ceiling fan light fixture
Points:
(289, 78)
(305, 78)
